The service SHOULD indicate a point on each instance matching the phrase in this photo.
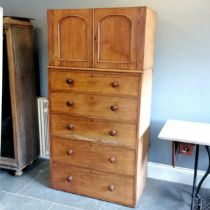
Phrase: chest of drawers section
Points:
(94, 128)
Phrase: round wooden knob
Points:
(112, 159)
(69, 103)
(114, 84)
(70, 127)
(114, 108)
(113, 133)
(69, 178)
(111, 187)
(69, 81)
(70, 152)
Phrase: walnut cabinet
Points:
(19, 144)
(100, 78)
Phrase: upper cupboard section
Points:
(114, 38)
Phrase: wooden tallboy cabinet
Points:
(100, 80)
(19, 145)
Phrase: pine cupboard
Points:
(100, 80)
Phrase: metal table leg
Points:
(203, 178)
(195, 192)
(195, 177)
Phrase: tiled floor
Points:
(31, 192)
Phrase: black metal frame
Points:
(195, 191)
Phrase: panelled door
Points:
(71, 41)
(116, 32)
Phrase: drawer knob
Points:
(69, 103)
(70, 178)
(69, 81)
(114, 108)
(114, 84)
(111, 187)
(113, 133)
(70, 127)
(70, 152)
(112, 159)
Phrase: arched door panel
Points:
(72, 38)
(116, 32)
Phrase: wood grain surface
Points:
(91, 155)
(92, 183)
(91, 129)
(95, 106)
(95, 82)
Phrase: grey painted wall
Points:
(181, 82)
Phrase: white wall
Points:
(181, 82)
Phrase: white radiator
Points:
(43, 127)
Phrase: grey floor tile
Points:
(3, 171)
(61, 207)
(40, 188)
(109, 206)
(11, 183)
(158, 195)
(14, 202)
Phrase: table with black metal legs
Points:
(192, 133)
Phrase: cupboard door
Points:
(117, 32)
(71, 38)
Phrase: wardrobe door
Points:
(118, 37)
(71, 38)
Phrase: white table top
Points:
(184, 131)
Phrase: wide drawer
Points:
(110, 187)
(93, 82)
(107, 107)
(106, 131)
(91, 155)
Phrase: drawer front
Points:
(91, 155)
(91, 82)
(107, 107)
(92, 183)
(104, 131)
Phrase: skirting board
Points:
(177, 174)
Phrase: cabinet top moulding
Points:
(95, 8)
(17, 22)
(106, 38)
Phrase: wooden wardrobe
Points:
(100, 80)
(19, 145)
